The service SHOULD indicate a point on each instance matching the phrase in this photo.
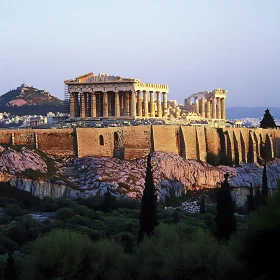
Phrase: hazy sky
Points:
(191, 45)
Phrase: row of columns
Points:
(128, 103)
(214, 108)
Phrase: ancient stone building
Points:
(114, 96)
(208, 104)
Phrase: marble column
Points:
(121, 103)
(93, 105)
(117, 104)
(105, 104)
(109, 104)
(82, 105)
(76, 104)
(159, 109)
(139, 103)
(196, 105)
(202, 107)
(133, 104)
(126, 104)
(165, 113)
(219, 108)
(208, 108)
(223, 105)
(146, 107)
(152, 104)
(214, 109)
(86, 104)
(72, 105)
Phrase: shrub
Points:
(254, 246)
(64, 214)
(13, 210)
(64, 254)
(48, 204)
(173, 253)
(4, 220)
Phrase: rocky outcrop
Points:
(93, 175)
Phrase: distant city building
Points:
(113, 96)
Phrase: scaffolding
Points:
(66, 102)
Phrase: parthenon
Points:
(208, 104)
(113, 96)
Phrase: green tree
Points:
(258, 199)
(13, 210)
(10, 272)
(250, 200)
(254, 246)
(148, 215)
(267, 120)
(202, 204)
(107, 200)
(225, 220)
(68, 255)
(64, 214)
(264, 184)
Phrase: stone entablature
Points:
(208, 104)
(113, 96)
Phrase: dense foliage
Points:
(83, 240)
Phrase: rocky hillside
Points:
(29, 100)
(37, 173)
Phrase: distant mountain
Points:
(251, 112)
(26, 100)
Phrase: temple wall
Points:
(240, 144)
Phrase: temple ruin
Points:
(113, 96)
(207, 104)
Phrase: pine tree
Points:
(202, 204)
(267, 120)
(225, 220)
(148, 215)
(10, 272)
(250, 200)
(258, 199)
(264, 184)
(107, 201)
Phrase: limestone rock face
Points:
(93, 175)
(13, 161)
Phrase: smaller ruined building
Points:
(113, 96)
(207, 104)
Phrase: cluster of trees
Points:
(103, 238)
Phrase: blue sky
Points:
(191, 45)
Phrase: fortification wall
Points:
(137, 141)
(166, 138)
(95, 141)
(213, 142)
(5, 136)
(58, 142)
(26, 138)
(241, 145)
